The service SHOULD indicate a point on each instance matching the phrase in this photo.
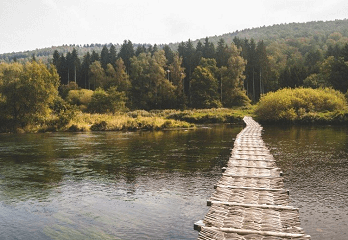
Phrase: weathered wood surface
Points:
(250, 201)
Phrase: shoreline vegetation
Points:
(139, 120)
(298, 75)
(299, 106)
(285, 106)
(303, 106)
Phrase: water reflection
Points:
(315, 162)
(107, 185)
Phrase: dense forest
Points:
(222, 71)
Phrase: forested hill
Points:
(293, 34)
(209, 72)
(318, 30)
(222, 71)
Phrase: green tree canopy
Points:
(150, 87)
(26, 91)
(97, 75)
(233, 93)
(109, 101)
(204, 86)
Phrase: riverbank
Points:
(270, 111)
(141, 120)
(311, 118)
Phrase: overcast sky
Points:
(30, 24)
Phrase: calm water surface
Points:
(109, 185)
(154, 185)
(315, 163)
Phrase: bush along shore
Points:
(303, 106)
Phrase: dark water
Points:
(315, 163)
(109, 185)
(154, 185)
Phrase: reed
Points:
(115, 122)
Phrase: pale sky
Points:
(30, 24)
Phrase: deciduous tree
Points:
(204, 86)
(26, 92)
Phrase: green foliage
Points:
(99, 126)
(64, 89)
(80, 98)
(315, 80)
(204, 85)
(298, 104)
(177, 76)
(109, 101)
(121, 121)
(232, 80)
(97, 75)
(126, 53)
(150, 87)
(214, 115)
(26, 93)
(312, 54)
(238, 98)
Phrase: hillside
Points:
(200, 74)
(293, 34)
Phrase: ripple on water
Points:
(107, 185)
(315, 163)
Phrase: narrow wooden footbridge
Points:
(249, 201)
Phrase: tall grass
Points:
(116, 122)
(141, 119)
(301, 104)
(214, 115)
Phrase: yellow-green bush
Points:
(80, 98)
(297, 104)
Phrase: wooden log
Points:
(253, 188)
(249, 176)
(256, 159)
(264, 206)
(257, 167)
(262, 233)
(250, 154)
(198, 225)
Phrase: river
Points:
(154, 185)
(314, 160)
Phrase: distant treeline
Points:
(154, 78)
(265, 68)
(210, 72)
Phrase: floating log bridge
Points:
(250, 201)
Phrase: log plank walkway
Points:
(250, 201)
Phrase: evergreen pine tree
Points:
(126, 53)
(104, 57)
(112, 55)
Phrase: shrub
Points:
(100, 126)
(109, 101)
(297, 104)
(65, 89)
(80, 98)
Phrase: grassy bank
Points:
(141, 120)
(216, 115)
(290, 106)
(112, 122)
